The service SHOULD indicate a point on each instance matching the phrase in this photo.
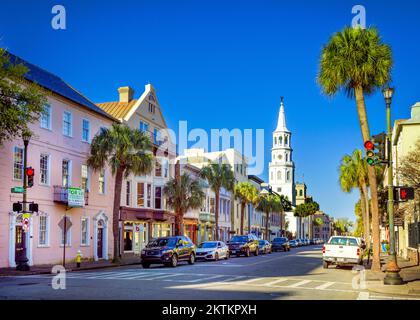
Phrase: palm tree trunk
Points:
(363, 209)
(266, 226)
(179, 223)
(116, 214)
(242, 216)
(366, 199)
(361, 110)
(216, 231)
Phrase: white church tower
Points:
(281, 168)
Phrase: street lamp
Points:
(392, 276)
(22, 260)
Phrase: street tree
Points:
(182, 194)
(247, 194)
(218, 176)
(21, 102)
(126, 151)
(343, 226)
(357, 62)
(267, 204)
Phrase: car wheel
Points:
(191, 260)
(271, 251)
(146, 265)
(325, 264)
(248, 252)
(174, 261)
(216, 257)
(257, 252)
(227, 256)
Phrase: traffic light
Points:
(30, 172)
(33, 207)
(370, 154)
(17, 207)
(402, 194)
(375, 149)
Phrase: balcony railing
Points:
(61, 195)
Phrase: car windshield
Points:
(162, 242)
(280, 240)
(262, 242)
(239, 239)
(208, 245)
(344, 241)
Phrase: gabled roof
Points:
(118, 110)
(55, 84)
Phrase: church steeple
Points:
(281, 123)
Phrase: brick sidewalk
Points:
(71, 266)
(410, 273)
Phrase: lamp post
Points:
(22, 260)
(392, 276)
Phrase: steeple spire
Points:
(281, 123)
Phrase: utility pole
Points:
(22, 260)
(392, 276)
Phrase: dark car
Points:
(168, 251)
(281, 243)
(265, 246)
(244, 245)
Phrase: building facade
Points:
(144, 214)
(58, 152)
(282, 168)
(321, 226)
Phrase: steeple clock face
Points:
(280, 157)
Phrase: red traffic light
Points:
(30, 172)
(369, 145)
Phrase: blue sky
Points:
(225, 64)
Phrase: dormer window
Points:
(151, 97)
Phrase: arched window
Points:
(287, 157)
(301, 192)
(286, 140)
(287, 175)
(275, 141)
(280, 140)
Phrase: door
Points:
(140, 234)
(100, 243)
(19, 242)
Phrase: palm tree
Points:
(126, 151)
(353, 174)
(183, 194)
(246, 193)
(355, 60)
(218, 176)
(269, 203)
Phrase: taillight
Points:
(358, 251)
(323, 249)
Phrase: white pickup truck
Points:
(341, 250)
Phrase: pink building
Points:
(58, 153)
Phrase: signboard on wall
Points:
(76, 197)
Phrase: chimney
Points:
(126, 94)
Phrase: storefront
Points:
(140, 225)
(191, 229)
(206, 227)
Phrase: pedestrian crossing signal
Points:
(402, 194)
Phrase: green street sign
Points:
(17, 190)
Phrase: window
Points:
(158, 168)
(152, 108)
(301, 193)
(85, 130)
(67, 124)
(158, 197)
(44, 169)
(165, 168)
(212, 205)
(275, 141)
(286, 140)
(101, 181)
(149, 195)
(43, 231)
(65, 173)
(287, 157)
(280, 140)
(144, 127)
(84, 228)
(85, 177)
(128, 194)
(156, 136)
(288, 176)
(18, 163)
(140, 194)
(46, 117)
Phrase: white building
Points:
(282, 168)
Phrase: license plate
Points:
(233, 251)
(340, 259)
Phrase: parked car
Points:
(294, 243)
(281, 243)
(300, 242)
(212, 250)
(168, 251)
(307, 241)
(342, 250)
(244, 245)
(265, 246)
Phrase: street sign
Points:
(26, 216)
(17, 190)
(76, 197)
(25, 224)
(68, 224)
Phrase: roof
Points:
(255, 178)
(55, 84)
(117, 109)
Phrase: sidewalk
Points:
(71, 266)
(409, 272)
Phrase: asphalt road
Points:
(297, 274)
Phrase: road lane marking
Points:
(363, 296)
(208, 278)
(272, 283)
(250, 281)
(324, 286)
(298, 284)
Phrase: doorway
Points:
(19, 242)
(100, 240)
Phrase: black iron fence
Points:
(414, 235)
